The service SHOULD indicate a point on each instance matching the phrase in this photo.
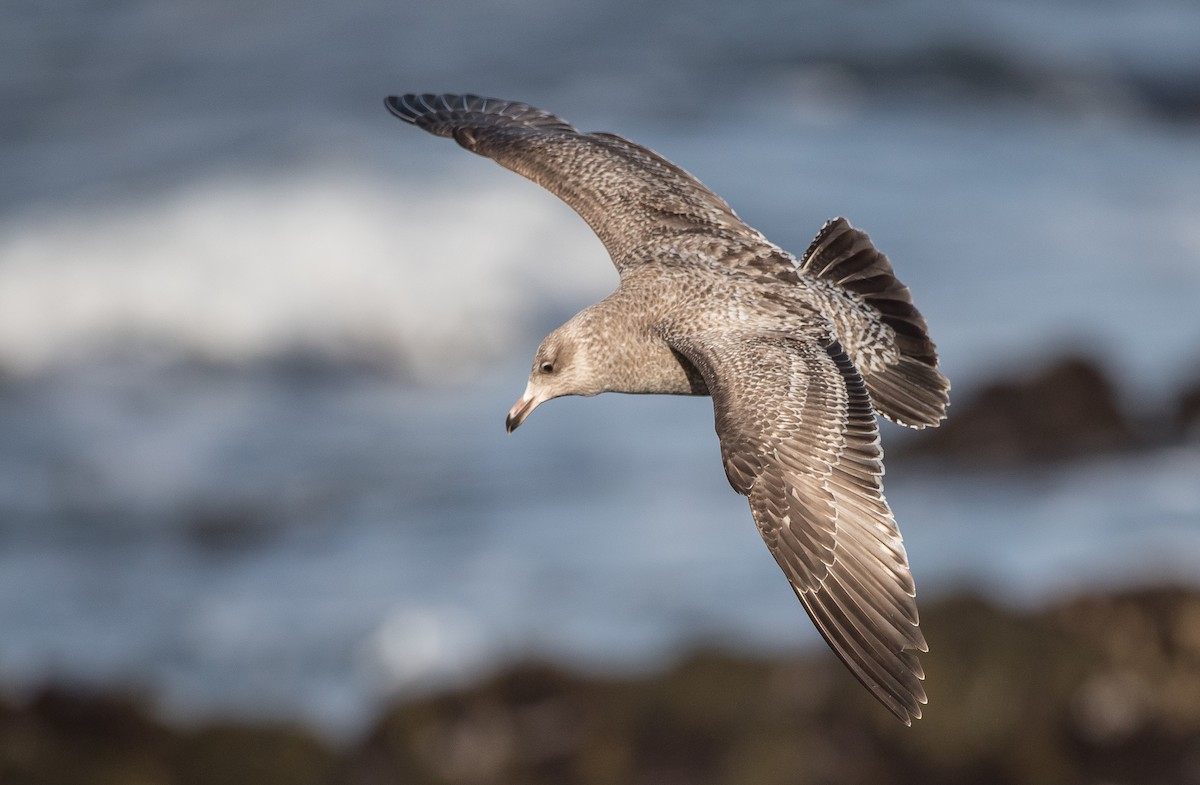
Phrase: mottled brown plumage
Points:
(798, 356)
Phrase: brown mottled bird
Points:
(798, 356)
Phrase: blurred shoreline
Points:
(1099, 687)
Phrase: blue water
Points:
(257, 339)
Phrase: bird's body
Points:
(798, 355)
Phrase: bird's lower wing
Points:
(799, 438)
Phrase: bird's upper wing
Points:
(799, 438)
(634, 199)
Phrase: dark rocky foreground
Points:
(1104, 689)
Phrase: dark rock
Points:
(1189, 410)
(1074, 694)
(1067, 410)
(234, 753)
(77, 737)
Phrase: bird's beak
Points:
(521, 410)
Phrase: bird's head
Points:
(561, 367)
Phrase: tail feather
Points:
(911, 391)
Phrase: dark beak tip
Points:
(518, 413)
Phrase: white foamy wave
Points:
(235, 272)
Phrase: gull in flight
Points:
(799, 355)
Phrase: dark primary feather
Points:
(443, 114)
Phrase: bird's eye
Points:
(547, 367)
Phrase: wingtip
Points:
(910, 713)
(398, 106)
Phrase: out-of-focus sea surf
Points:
(257, 339)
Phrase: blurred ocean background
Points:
(257, 338)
